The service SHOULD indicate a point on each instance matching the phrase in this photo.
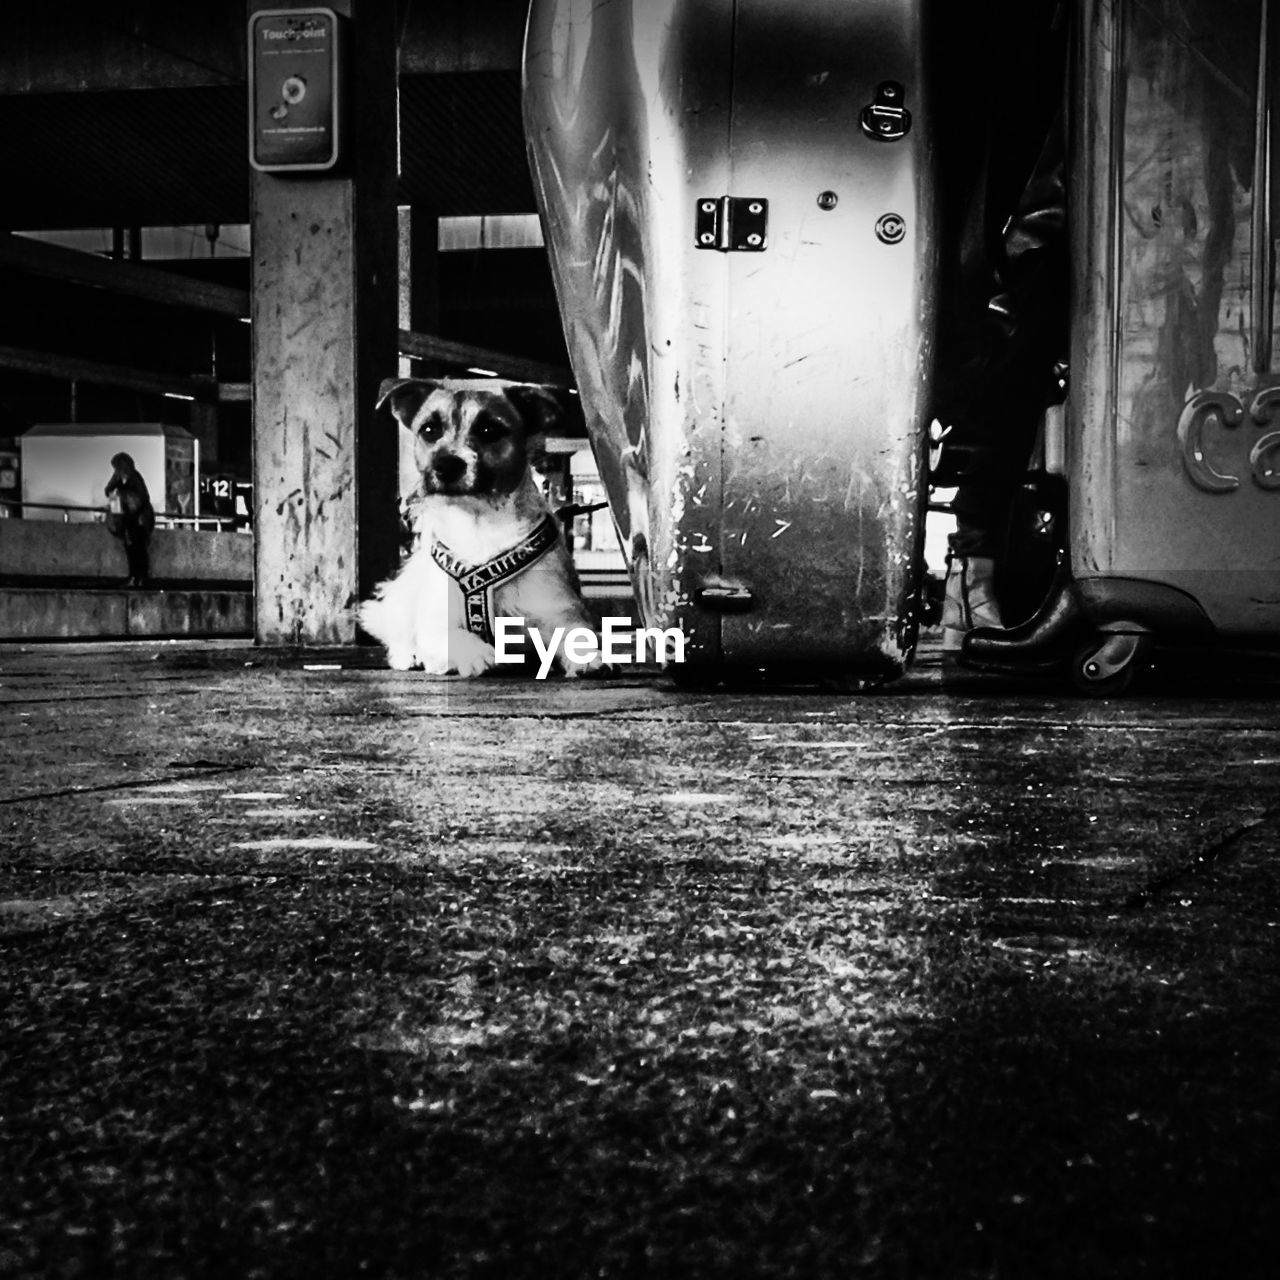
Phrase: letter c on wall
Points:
(1264, 457)
(1197, 413)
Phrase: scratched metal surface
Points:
(756, 416)
(1176, 456)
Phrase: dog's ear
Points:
(406, 396)
(539, 406)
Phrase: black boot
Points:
(1044, 640)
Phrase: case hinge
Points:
(732, 224)
(887, 118)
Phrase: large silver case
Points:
(1173, 425)
(757, 408)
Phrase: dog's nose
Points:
(449, 468)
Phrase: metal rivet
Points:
(890, 228)
(706, 238)
(708, 206)
(828, 200)
(753, 238)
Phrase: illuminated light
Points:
(483, 373)
(174, 395)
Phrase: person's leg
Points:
(1004, 312)
(142, 570)
(983, 508)
(1006, 414)
(138, 555)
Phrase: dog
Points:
(485, 542)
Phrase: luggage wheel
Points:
(1106, 665)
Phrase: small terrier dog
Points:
(486, 544)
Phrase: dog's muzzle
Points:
(449, 469)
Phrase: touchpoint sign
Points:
(294, 80)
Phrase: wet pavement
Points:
(316, 969)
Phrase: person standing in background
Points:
(131, 516)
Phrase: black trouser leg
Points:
(1003, 309)
(138, 555)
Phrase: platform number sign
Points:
(294, 90)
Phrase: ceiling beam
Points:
(419, 346)
(33, 257)
(58, 46)
(97, 373)
(424, 346)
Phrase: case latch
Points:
(732, 224)
(887, 118)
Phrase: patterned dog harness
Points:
(479, 582)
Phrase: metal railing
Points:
(11, 505)
(98, 515)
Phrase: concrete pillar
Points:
(324, 324)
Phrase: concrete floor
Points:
(316, 969)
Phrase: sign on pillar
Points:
(295, 90)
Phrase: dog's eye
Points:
(432, 429)
(490, 429)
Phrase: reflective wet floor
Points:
(313, 968)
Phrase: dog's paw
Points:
(594, 668)
(401, 659)
(469, 655)
(599, 671)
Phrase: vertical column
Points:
(419, 242)
(324, 324)
(404, 293)
(203, 424)
(424, 253)
(419, 306)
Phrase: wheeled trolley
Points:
(739, 211)
(1170, 444)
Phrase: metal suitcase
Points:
(738, 210)
(1170, 443)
